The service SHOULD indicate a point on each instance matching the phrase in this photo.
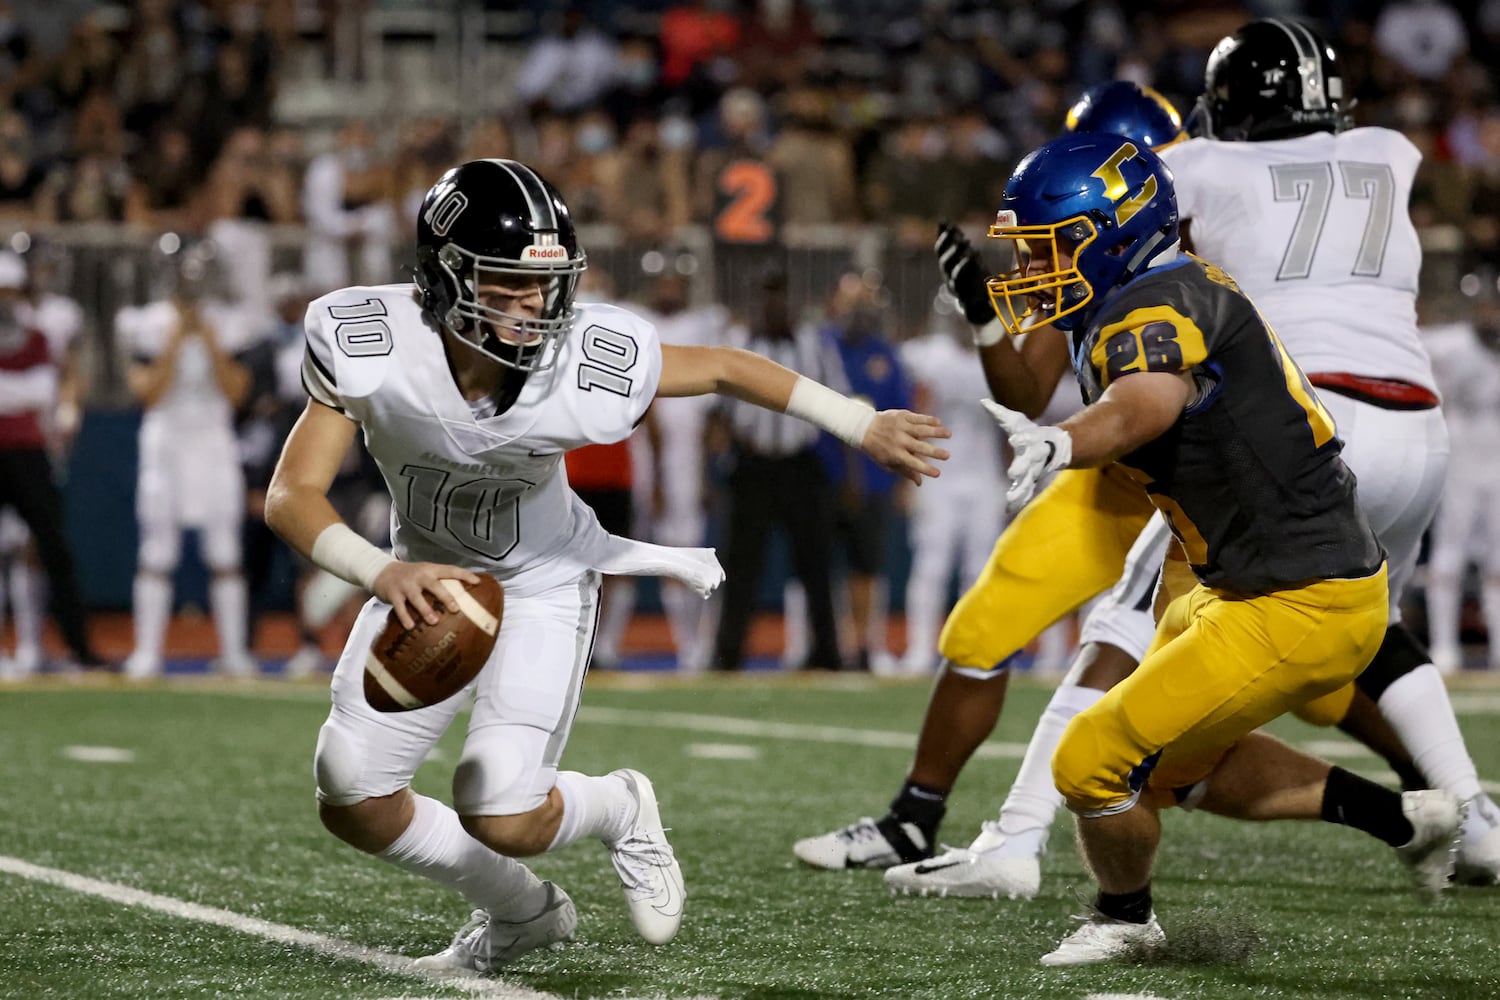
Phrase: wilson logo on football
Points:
(538, 252)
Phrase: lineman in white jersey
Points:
(187, 380)
(60, 319)
(1467, 529)
(1309, 217)
(468, 388)
(679, 462)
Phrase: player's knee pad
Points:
(1330, 709)
(338, 765)
(159, 551)
(221, 548)
(1081, 773)
(501, 772)
(1400, 653)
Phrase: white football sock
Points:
(227, 596)
(1417, 707)
(152, 599)
(924, 596)
(602, 808)
(796, 642)
(1033, 802)
(26, 590)
(1490, 598)
(1442, 617)
(684, 611)
(435, 846)
(619, 604)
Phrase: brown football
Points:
(412, 668)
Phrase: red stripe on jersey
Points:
(1388, 393)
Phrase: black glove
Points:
(964, 273)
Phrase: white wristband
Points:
(347, 556)
(846, 419)
(989, 334)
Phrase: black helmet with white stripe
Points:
(1272, 79)
(489, 229)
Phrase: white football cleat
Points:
(1479, 850)
(1104, 939)
(1437, 817)
(139, 667)
(865, 844)
(484, 945)
(648, 867)
(305, 662)
(234, 665)
(984, 869)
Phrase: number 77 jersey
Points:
(1315, 230)
(1249, 477)
(469, 487)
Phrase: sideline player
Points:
(186, 378)
(468, 388)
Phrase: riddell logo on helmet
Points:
(538, 252)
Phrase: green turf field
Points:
(214, 807)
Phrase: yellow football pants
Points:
(1065, 547)
(1219, 667)
(1177, 581)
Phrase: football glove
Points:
(1039, 451)
(964, 273)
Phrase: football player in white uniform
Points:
(1468, 372)
(953, 523)
(186, 378)
(468, 387)
(678, 466)
(60, 320)
(1308, 214)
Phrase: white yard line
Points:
(729, 725)
(399, 965)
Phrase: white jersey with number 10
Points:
(485, 492)
(1315, 230)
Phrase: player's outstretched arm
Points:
(898, 439)
(298, 510)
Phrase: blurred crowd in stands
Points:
(735, 127)
(164, 113)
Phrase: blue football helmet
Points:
(1122, 107)
(1086, 213)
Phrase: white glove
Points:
(1039, 451)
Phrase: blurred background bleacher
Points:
(122, 122)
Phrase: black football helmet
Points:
(1272, 79)
(497, 222)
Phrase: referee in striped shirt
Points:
(778, 479)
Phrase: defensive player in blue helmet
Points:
(1122, 107)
